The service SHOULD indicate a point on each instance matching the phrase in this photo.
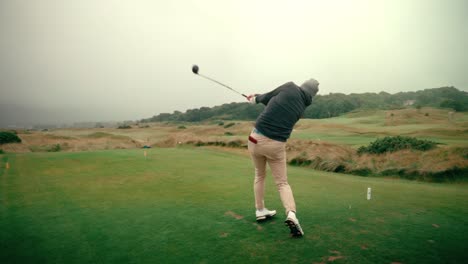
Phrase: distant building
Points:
(409, 102)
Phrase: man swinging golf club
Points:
(285, 105)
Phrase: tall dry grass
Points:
(442, 163)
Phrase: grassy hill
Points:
(358, 128)
(324, 144)
(195, 205)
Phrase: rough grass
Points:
(325, 144)
(190, 205)
(441, 164)
(354, 129)
(74, 140)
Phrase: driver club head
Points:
(195, 69)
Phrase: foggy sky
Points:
(95, 60)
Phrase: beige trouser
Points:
(273, 152)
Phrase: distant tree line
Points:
(331, 105)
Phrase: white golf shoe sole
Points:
(264, 217)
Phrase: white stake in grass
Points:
(368, 193)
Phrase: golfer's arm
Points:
(265, 98)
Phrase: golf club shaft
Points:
(206, 77)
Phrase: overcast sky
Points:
(95, 60)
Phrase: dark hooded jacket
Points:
(285, 105)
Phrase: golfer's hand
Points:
(251, 98)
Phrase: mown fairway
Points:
(195, 205)
(362, 127)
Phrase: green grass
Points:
(188, 205)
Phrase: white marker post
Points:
(368, 193)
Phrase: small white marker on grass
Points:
(369, 193)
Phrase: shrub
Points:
(124, 127)
(229, 125)
(46, 148)
(54, 148)
(391, 144)
(300, 161)
(340, 169)
(362, 172)
(235, 144)
(394, 172)
(450, 174)
(9, 137)
(453, 104)
(228, 134)
(221, 123)
(1, 151)
(181, 127)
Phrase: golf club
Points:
(195, 70)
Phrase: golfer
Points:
(285, 105)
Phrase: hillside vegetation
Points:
(323, 144)
(332, 105)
